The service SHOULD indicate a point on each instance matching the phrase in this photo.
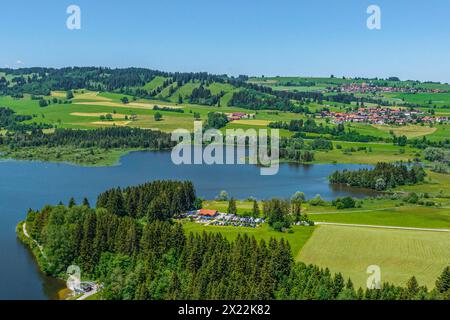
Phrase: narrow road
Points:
(379, 227)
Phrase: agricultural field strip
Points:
(380, 227)
(356, 211)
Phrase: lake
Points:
(27, 184)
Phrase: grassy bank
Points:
(84, 157)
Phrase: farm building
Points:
(208, 213)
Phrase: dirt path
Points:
(25, 232)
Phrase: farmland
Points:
(399, 253)
(86, 108)
(180, 99)
(350, 250)
(401, 216)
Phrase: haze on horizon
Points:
(265, 37)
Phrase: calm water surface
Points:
(26, 185)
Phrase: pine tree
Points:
(255, 210)
(338, 284)
(86, 203)
(174, 290)
(115, 203)
(87, 252)
(72, 203)
(443, 282)
(412, 288)
(349, 284)
(232, 209)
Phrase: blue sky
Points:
(254, 37)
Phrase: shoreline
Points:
(37, 253)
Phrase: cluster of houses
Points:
(239, 116)
(370, 88)
(216, 218)
(382, 116)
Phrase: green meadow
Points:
(400, 216)
(297, 238)
(399, 253)
(426, 99)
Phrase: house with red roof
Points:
(208, 213)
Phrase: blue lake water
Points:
(25, 184)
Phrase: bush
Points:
(344, 203)
(317, 201)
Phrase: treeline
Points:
(158, 200)
(295, 149)
(216, 120)
(301, 127)
(382, 177)
(9, 120)
(298, 150)
(204, 96)
(256, 101)
(106, 138)
(158, 261)
(168, 109)
(424, 143)
(131, 81)
(41, 81)
(300, 96)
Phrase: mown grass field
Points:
(401, 216)
(399, 253)
(411, 131)
(297, 238)
(438, 99)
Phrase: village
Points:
(379, 115)
(239, 116)
(216, 218)
(371, 88)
